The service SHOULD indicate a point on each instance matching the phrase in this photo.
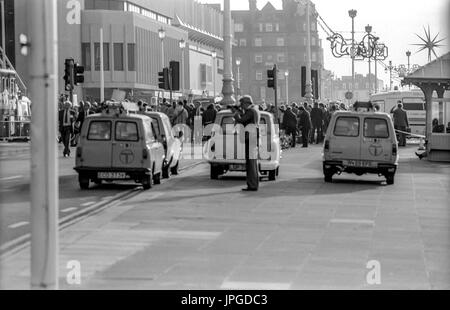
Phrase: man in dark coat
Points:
(290, 124)
(209, 115)
(66, 119)
(304, 124)
(317, 122)
(251, 116)
(401, 123)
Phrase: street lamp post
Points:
(286, 75)
(162, 35)
(408, 54)
(238, 91)
(369, 30)
(182, 46)
(227, 88)
(352, 14)
(214, 55)
(308, 84)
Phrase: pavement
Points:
(295, 233)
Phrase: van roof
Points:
(356, 113)
(118, 116)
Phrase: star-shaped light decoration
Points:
(428, 43)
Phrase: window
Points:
(126, 131)
(238, 27)
(105, 56)
(277, 27)
(134, 8)
(347, 126)
(344, 86)
(150, 134)
(413, 106)
(304, 27)
(258, 58)
(280, 41)
(269, 27)
(305, 41)
(313, 26)
(242, 42)
(86, 56)
(314, 56)
(313, 41)
(227, 123)
(99, 130)
(149, 14)
(131, 57)
(260, 26)
(118, 56)
(375, 128)
(258, 75)
(258, 42)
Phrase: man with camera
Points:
(249, 116)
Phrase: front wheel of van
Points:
(84, 181)
(174, 169)
(390, 179)
(165, 171)
(157, 178)
(147, 181)
(328, 176)
(214, 173)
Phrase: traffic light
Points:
(175, 75)
(163, 79)
(68, 74)
(78, 76)
(272, 78)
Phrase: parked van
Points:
(230, 154)
(360, 141)
(116, 145)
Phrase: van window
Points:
(167, 126)
(264, 128)
(413, 106)
(347, 126)
(227, 120)
(375, 128)
(155, 126)
(126, 131)
(99, 130)
(149, 130)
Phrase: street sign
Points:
(349, 95)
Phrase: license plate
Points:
(112, 175)
(238, 167)
(358, 163)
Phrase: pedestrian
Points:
(304, 125)
(281, 116)
(66, 120)
(85, 111)
(251, 116)
(180, 114)
(209, 116)
(401, 123)
(317, 122)
(171, 112)
(290, 124)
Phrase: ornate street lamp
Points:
(182, 44)
(214, 55)
(238, 63)
(286, 75)
(352, 14)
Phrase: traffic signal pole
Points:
(43, 72)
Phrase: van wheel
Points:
(390, 179)
(165, 171)
(328, 176)
(157, 178)
(214, 173)
(147, 181)
(272, 175)
(174, 169)
(84, 181)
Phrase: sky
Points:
(395, 22)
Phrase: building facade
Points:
(269, 36)
(335, 88)
(133, 52)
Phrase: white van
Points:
(360, 142)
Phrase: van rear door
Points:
(96, 147)
(127, 146)
(376, 145)
(345, 139)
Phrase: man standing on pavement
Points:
(316, 120)
(304, 125)
(290, 124)
(401, 123)
(66, 120)
(251, 116)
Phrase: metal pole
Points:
(3, 34)
(370, 79)
(376, 74)
(43, 72)
(214, 77)
(287, 90)
(102, 72)
(182, 70)
(353, 54)
(238, 82)
(227, 88)
(390, 74)
(162, 53)
(308, 87)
